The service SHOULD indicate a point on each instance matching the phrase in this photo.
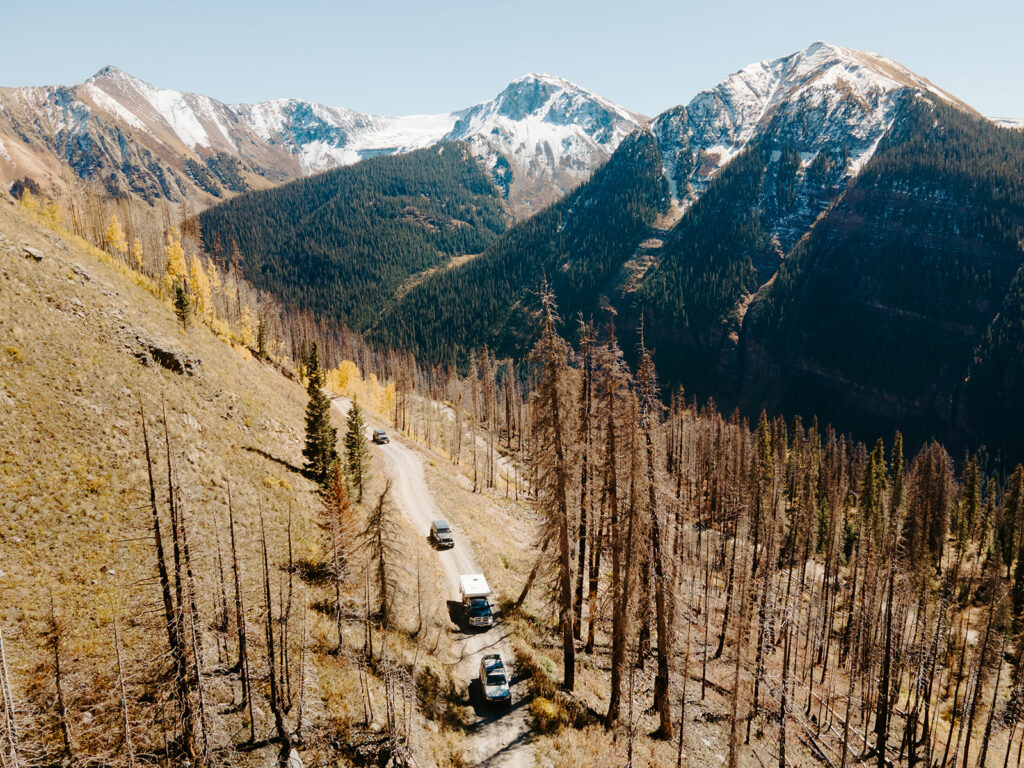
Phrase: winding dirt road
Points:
(498, 738)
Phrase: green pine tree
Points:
(357, 453)
(261, 339)
(321, 436)
(182, 303)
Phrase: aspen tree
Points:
(138, 257)
(175, 268)
(114, 237)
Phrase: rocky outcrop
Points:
(149, 351)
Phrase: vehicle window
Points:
(495, 678)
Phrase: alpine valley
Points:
(537, 434)
(827, 234)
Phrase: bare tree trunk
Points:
(127, 733)
(533, 572)
(62, 709)
(275, 694)
(10, 726)
(783, 703)
(741, 632)
(171, 614)
(882, 718)
(992, 710)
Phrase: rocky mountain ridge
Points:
(540, 137)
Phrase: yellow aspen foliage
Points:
(51, 214)
(345, 378)
(388, 398)
(174, 259)
(114, 236)
(247, 331)
(137, 257)
(213, 277)
(374, 394)
(29, 201)
(200, 285)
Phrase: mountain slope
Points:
(544, 136)
(540, 137)
(811, 99)
(342, 242)
(875, 316)
(896, 204)
(575, 244)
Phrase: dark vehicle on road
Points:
(380, 437)
(441, 535)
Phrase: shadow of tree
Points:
(276, 460)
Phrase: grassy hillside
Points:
(341, 243)
(81, 341)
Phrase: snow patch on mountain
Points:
(195, 120)
(822, 96)
(551, 133)
(325, 137)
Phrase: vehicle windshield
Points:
(495, 678)
(479, 607)
(443, 530)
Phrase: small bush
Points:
(550, 715)
(440, 699)
(544, 715)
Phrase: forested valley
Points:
(683, 585)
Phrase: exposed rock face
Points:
(822, 98)
(148, 351)
(548, 133)
(540, 137)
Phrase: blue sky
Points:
(396, 57)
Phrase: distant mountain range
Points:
(540, 137)
(825, 234)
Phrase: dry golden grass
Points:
(73, 499)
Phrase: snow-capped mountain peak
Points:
(546, 134)
(822, 96)
(194, 120)
(541, 135)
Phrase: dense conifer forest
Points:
(577, 244)
(869, 306)
(341, 243)
(895, 288)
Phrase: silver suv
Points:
(494, 680)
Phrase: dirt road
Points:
(498, 738)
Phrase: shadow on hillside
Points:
(271, 457)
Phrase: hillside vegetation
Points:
(89, 350)
(578, 245)
(340, 244)
(875, 316)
